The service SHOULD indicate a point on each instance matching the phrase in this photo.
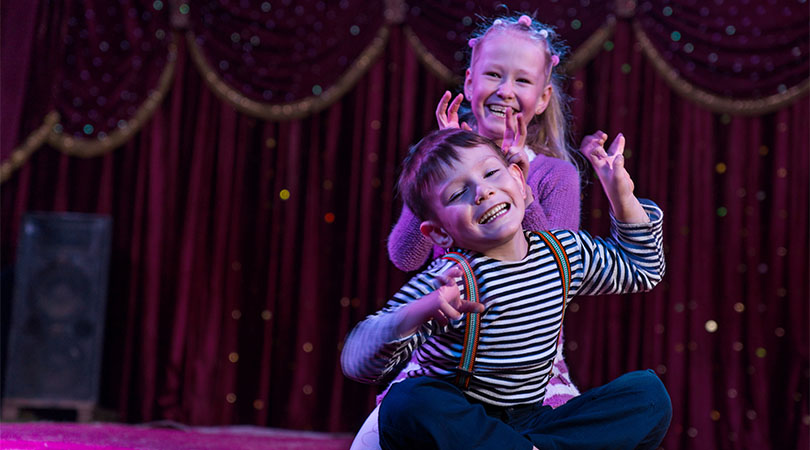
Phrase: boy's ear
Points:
(468, 85)
(436, 233)
(544, 100)
(517, 174)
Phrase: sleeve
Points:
(408, 248)
(556, 188)
(372, 352)
(631, 260)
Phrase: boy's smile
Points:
(479, 205)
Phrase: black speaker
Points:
(57, 316)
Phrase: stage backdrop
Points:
(247, 153)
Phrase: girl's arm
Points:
(408, 248)
(556, 188)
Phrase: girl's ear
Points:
(544, 100)
(468, 85)
(436, 233)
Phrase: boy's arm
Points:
(381, 342)
(631, 260)
(618, 186)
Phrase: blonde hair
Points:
(547, 132)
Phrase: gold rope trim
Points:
(87, 148)
(712, 102)
(430, 61)
(33, 142)
(584, 53)
(590, 48)
(293, 110)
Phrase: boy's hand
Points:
(442, 305)
(448, 116)
(513, 145)
(609, 167)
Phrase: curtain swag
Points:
(712, 102)
(292, 110)
(86, 148)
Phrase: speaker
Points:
(57, 316)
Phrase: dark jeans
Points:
(632, 411)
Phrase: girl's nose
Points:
(505, 89)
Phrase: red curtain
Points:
(245, 249)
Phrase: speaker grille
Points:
(57, 321)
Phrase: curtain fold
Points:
(244, 250)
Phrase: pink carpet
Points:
(162, 435)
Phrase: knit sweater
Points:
(555, 186)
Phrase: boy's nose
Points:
(482, 193)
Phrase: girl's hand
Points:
(447, 116)
(514, 141)
(513, 145)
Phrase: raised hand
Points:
(442, 305)
(609, 167)
(447, 113)
(513, 145)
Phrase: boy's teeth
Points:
(493, 213)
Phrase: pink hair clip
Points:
(472, 42)
(525, 20)
(554, 60)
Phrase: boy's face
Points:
(479, 204)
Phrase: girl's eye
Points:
(524, 80)
(490, 173)
(492, 74)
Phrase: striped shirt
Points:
(522, 317)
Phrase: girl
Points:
(516, 100)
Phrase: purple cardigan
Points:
(556, 205)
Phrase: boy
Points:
(471, 200)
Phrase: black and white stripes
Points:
(524, 308)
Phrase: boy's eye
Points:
(524, 80)
(493, 74)
(456, 195)
(490, 173)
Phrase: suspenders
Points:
(464, 371)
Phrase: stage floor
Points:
(162, 435)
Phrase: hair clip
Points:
(525, 20)
(472, 42)
(497, 22)
(544, 33)
(555, 60)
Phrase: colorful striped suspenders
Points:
(561, 258)
(464, 371)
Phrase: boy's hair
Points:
(548, 132)
(428, 160)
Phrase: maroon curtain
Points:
(245, 249)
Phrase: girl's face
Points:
(508, 71)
